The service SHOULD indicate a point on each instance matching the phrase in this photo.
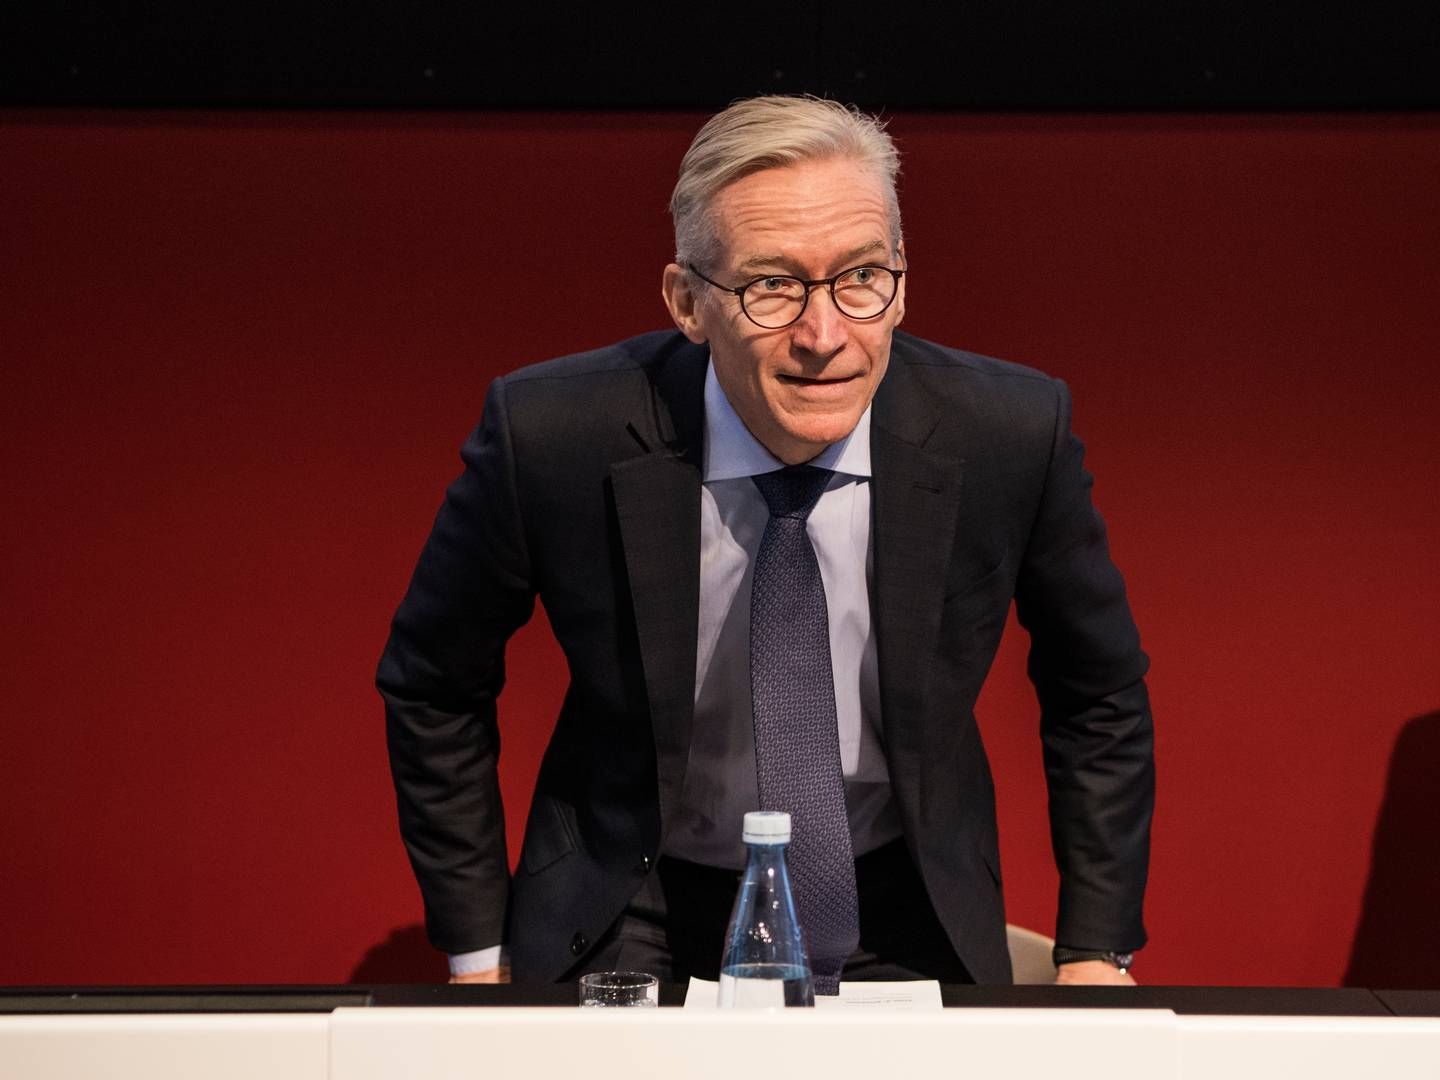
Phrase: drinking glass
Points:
(619, 988)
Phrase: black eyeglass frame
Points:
(809, 286)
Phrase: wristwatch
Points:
(1121, 961)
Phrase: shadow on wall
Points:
(1397, 941)
(406, 956)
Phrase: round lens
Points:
(865, 291)
(774, 302)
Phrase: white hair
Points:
(767, 133)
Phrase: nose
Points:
(821, 329)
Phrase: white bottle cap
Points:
(767, 827)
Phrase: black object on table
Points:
(1184, 1000)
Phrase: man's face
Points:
(803, 387)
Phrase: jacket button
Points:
(578, 944)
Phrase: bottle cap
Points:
(767, 827)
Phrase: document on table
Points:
(918, 996)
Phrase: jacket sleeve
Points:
(440, 675)
(1088, 670)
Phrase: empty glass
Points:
(633, 988)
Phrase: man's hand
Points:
(1091, 973)
(489, 975)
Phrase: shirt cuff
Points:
(480, 960)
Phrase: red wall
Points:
(238, 354)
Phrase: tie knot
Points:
(793, 491)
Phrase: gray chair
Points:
(1030, 956)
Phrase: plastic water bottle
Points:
(765, 964)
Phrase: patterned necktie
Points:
(797, 742)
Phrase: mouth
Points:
(822, 382)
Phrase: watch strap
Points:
(1122, 961)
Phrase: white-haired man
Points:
(778, 549)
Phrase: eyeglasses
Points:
(776, 301)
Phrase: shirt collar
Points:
(731, 451)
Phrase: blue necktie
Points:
(797, 741)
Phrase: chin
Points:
(821, 433)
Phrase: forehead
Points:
(803, 214)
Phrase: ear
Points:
(680, 297)
(900, 296)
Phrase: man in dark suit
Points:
(624, 487)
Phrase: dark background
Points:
(983, 54)
(240, 347)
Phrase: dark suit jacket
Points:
(582, 485)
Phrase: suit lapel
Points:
(915, 507)
(657, 500)
(657, 504)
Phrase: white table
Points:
(539, 1043)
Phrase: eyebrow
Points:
(760, 262)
